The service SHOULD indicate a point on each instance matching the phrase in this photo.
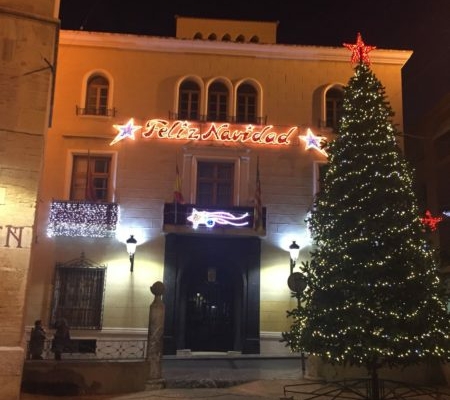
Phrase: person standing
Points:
(61, 338)
(37, 340)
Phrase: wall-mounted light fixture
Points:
(294, 251)
(131, 249)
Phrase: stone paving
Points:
(213, 378)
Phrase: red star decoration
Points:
(360, 52)
(430, 221)
(125, 131)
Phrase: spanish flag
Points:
(257, 214)
(177, 195)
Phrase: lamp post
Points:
(297, 284)
(131, 249)
(294, 251)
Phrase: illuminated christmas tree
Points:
(374, 297)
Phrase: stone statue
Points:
(155, 338)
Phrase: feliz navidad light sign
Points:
(222, 132)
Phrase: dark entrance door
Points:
(210, 312)
(212, 293)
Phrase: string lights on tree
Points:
(373, 295)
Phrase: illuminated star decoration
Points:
(360, 52)
(313, 142)
(125, 131)
(446, 213)
(210, 218)
(430, 221)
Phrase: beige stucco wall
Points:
(143, 74)
(28, 36)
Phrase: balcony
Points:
(96, 112)
(82, 219)
(231, 220)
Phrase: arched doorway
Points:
(212, 293)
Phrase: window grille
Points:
(78, 294)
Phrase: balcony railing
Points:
(193, 216)
(82, 218)
(98, 112)
(230, 119)
(97, 349)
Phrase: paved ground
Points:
(214, 378)
(251, 378)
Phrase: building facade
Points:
(203, 148)
(28, 43)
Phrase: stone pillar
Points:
(155, 338)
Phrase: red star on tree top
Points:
(360, 52)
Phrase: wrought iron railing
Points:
(181, 215)
(230, 119)
(97, 349)
(96, 111)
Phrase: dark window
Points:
(97, 96)
(91, 178)
(188, 107)
(217, 102)
(78, 296)
(334, 99)
(215, 183)
(246, 104)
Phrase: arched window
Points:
(246, 103)
(334, 99)
(189, 101)
(240, 38)
(226, 37)
(198, 35)
(97, 95)
(254, 39)
(212, 36)
(217, 102)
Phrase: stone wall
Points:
(28, 37)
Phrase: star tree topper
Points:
(125, 131)
(360, 52)
(313, 142)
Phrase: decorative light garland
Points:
(85, 219)
(211, 218)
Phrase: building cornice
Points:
(205, 47)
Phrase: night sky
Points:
(419, 25)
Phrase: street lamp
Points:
(297, 284)
(294, 251)
(131, 249)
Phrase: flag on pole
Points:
(257, 213)
(177, 194)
